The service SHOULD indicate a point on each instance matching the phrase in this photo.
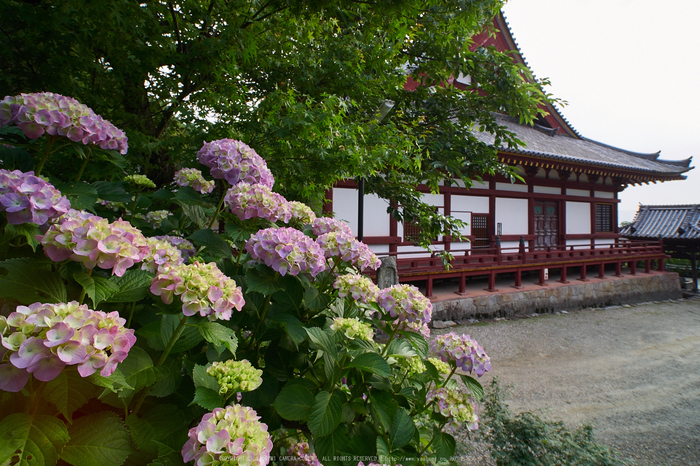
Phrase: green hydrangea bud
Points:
(140, 180)
(353, 328)
(235, 376)
(441, 366)
(414, 365)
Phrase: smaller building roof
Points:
(665, 222)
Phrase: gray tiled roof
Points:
(544, 143)
(665, 222)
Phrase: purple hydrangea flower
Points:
(465, 352)
(42, 339)
(161, 253)
(287, 251)
(234, 432)
(94, 241)
(302, 212)
(203, 290)
(45, 112)
(406, 303)
(348, 249)
(235, 162)
(193, 177)
(185, 247)
(327, 225)
(459, 407)
(304, 456)
(359, 287)
(26, 198)
(257, 200)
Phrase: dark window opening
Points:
(603, 218)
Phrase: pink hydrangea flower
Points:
(257, 200)
(234, 432)
(26, 198)
(94, 241)
(193, 177)
(459, 407)
(464, 351)
(287, 251)
(185, 247)
(45, 112)
(327, 225)
(406, 303)
(302, 212)
(359, 287)
(161, 253)
(348, 249)
(235, 162)
(203, 290)
(303, 454)
(42, 339)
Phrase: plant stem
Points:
(45, 157)
(82, 167)
(131, 314)
(218, 210)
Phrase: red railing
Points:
(415, 266)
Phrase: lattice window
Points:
(604, 217)
(412, 231)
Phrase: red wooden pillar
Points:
(492, 281)
(518, 279)
(618, 269)
(562, 277)
(429, 287)
(583, 273)
(462, 285)
(660, 268)
(542, 281)
(633, 267)
(647, 266)
(601, 270)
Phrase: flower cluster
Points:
(161, 253)
(203, 290)
(414, 365)
(140, 180)
(257, 200)
(156, 217)
(327, 225)
(287, 251)
(29, 199)
(44, 338)
(235, 376)
(57, 115)
(193, 177)
(235, 162)
(185, 247)
(406, 303)
(348, 249)
(441, 366)
(460, 407)
(353, 328)
(229, 436)
(467, 353)
(359, 287)
(301, 451)
(94, 241)
(302, 212)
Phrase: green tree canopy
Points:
(300, 81)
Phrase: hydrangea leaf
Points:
(98, 289)
(314, 300)
(132, 286)
(156, 424)
(82, 196)
(187, 195)
(202, 379)
(30, 281)
(383, 409)
(213, 243)
(473, 386)
(28, 230)
(219, 336)
(113, 192)
(333, 446)
(207, 398)
(189, 338)
(417, 341)
(31, 440)
(373, 363)
(263, 280)
(402, 429)
(99, 438)
(115, 383)
(401, 348)
(170, 382)
(443, 445)
(151, 332)
(293, 402)
(196, 214)
(138, 369)
(323, 340)
(68, 392)
(325, 413)
(292, 326)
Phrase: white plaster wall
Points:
(546, 189)
(510, 247)
(605, 241)
(465, 217)
(520, 188)
(376, 219)
(379, 249)
(512, 213)
(433, 199)
(578, 192)
(475, 204)
(480, 185)
(578, 242)
(461, 246)
(605, 194)
(578, 218)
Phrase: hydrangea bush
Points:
(257, 342)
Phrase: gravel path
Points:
(633, 372)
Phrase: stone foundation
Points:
(610, 292)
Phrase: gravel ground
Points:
(632, 372)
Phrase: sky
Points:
(629, 71)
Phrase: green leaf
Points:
(115, 383)
(28, 230)
(401, 348)
(207, 398)
(97, 439)
(170, 381)
(68, 392)
(443, 445)
(371, 362)
(82, 196)
(219, 336)
(294, 402)
(151, 332)
(188, 196)
(31, 440)
(419, 343)
(332, 446)
(196, 214)
(473, 386)
(383, 408)
(202, 379)
(323, 340)
(263, 280)
(138, 369)
(104, 289)
(130, 287)
(325, 413)
(189, 338)
(314, 300)
(213, 243)
(30, 281)
(402, 429)
(292, 326)
(157, 424)
(113, 192)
